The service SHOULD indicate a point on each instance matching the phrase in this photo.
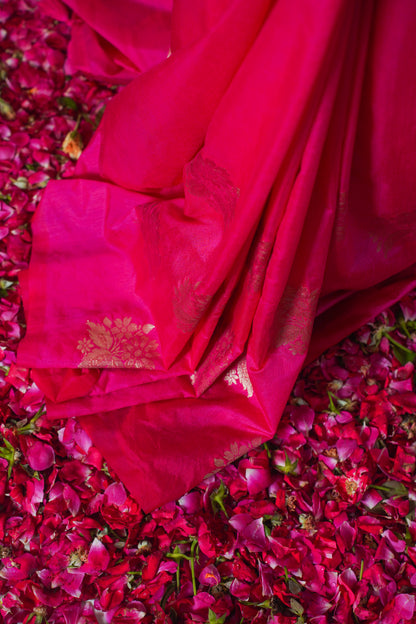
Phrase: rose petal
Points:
(40, 456)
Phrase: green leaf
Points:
(6, 110)
(296, 607)
(213, 618)
(293, 586)
(5, 286)
(8, 445)
(404, 327)
(271, 521)
(402, 353)
(4, 453)
(392, 488)
(404, 356)
(21, 183)
(68, 102)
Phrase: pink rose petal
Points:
(40, 456)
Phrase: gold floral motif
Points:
(239, 374)
(295, 318)
(118, 343)
(235, 451)
(208, 187)
(188, 305)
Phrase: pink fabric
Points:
(114, 41)
(261, 177)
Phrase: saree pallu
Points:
(247, 201)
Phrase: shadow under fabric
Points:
(245, 203)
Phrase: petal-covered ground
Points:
(317, 526)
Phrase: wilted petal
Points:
(209, 576)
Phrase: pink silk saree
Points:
(247, 201)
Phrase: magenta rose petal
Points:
(40, 456)
(115, 494)
(98, 558)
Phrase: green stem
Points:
(360, 576)
(192, 566)
(332, 406)
(266, 448)
(398, 344)
(403, 327)
(29, 427)
(178, 576)
(380, 487)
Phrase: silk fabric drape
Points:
(257, 181)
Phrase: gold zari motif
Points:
(258, 271)
(295, 318)
(188, 305)
(239, 374)
(207, 181)
(118, 343)
(235, 451)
